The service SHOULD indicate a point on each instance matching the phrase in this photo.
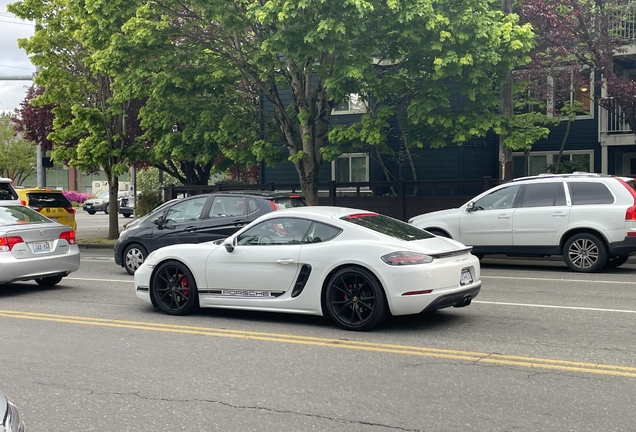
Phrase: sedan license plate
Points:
(466, 278)
(41, 246)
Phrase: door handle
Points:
(190, 229)
(559, 214)
(238, 222)
(286, 261)
(504, 216)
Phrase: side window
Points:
(252, 205)
(7, 192)
(279, 231)
(543, 194)
(319, 232)
(186, 211)
(499, 199)
(585, 193)
(228, 206)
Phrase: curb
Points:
(95, 246)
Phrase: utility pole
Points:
(507, 110)
(40, 170)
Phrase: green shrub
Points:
(147, 201)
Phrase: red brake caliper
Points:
(184, 286)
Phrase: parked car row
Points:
(589, 219)
(102, 202)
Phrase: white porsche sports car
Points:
(353, 266)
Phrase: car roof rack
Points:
(566, 175)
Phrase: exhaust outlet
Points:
(464, 302)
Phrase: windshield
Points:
(103, 195)
(388, 226)
(20, 215)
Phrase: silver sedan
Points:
(33, 247)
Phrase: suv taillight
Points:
(273, 204)
(7, 243)
(630, 214)
(71, 210)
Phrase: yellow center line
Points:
(471, 356)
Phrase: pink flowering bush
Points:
(76, 197)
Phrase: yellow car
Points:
(50, 203)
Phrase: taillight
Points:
(630, 214)
(71, 210)
(23, 202)
(7, 243)
(406, 258)
(36, 208)
(273, 204)
(69, 236)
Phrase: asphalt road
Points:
(540, 349)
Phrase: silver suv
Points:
(7, 192)
(589, 219)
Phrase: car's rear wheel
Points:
(173, 289)
(355, 299)
(126, 215)
(616, 261)
(134, 256)
(50, 281)
(585, 253)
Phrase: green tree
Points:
(17, 155)
(90, 128)
(320, 52)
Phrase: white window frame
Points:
(350, 156)
(354, 107)
(552, 155)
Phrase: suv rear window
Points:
(289, 202)
(586, 193)
(388, 226)
(7, 192)
(48, 199)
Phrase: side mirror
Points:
(158, 220)
(470, 206)
(229, 244)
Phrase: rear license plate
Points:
(41, 246)
(466, 278)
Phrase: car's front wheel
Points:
(355, 299)
(134, 256)
(173, 289)
(106, 209)
(50, 281)
(585, 253)
(90, 212)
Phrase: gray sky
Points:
(13, 60)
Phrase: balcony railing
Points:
(625, 25)
(613, 121)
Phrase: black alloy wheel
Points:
(355, 299)
(585, 253)
(50, 281)
(616, 261)
(134, 256)
(173, 289)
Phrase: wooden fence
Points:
(401, 199)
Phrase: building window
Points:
(353, 105)
(571, 88)
(540, 162)
(350, 168)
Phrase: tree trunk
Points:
(113, 207)
(557, 165)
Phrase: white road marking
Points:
(99, 280)
(555, 307)
(558, 280)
